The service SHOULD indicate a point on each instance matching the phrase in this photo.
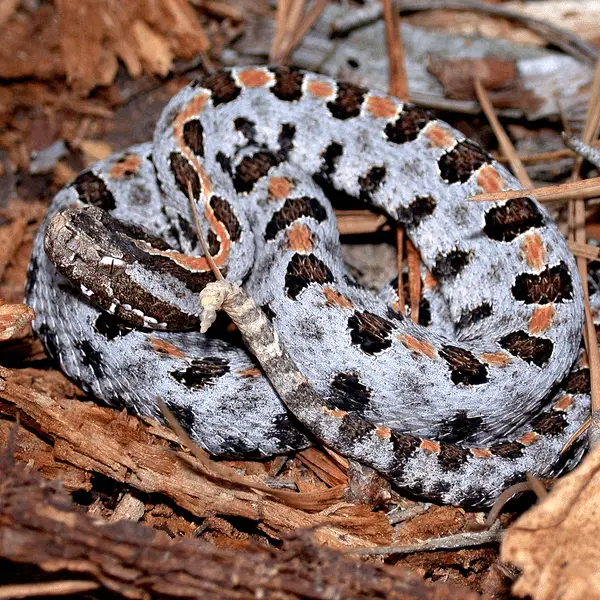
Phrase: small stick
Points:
(505, 144)
(508, 494)
(585, 250)
(588, 188)
(400, 263)
(414, 279)
(579, 234)
(209, 259)
(398, 86)
(395, 50)
(449, 542)
(307, 21)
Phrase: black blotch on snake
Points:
(222, 85)
(347, 102)
(452, 458)
(534, 350)
(288, 83)
(201, 372)
(553, 284)
(293, 209)
(451, 264)
(464, 367)
(419, 208)
(462, 161)
(348, 393)
(407, 125)
(303, 270)
(504, 223)
(369, 331)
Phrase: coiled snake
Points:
(454, 412)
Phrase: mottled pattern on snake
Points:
(265, 150)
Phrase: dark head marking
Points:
(247, 128)
(462, 161)
(184, 173)
(369, 331)
(286, 140)
(534, 350)
(92, 190)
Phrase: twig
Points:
(50, 588)
(588, 188)
(209, 259)
(505, 144)
(400, 263)
(398, 85)
(414, 279)
(291, 25)
(579, 235)
(541, 157)
(586, 151)
(585, 250)
(450, 542)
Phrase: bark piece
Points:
(38, 526)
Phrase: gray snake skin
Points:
(455, 412)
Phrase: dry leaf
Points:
(557, 543)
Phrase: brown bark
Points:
(38, 527)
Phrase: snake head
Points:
(114, 266)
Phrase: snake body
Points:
(453, 412)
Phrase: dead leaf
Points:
(557, 543)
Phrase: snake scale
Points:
(490, 385)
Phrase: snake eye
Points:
(112, 265)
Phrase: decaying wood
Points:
(141, 455)
(39, 527)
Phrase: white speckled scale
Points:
(265, 150)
